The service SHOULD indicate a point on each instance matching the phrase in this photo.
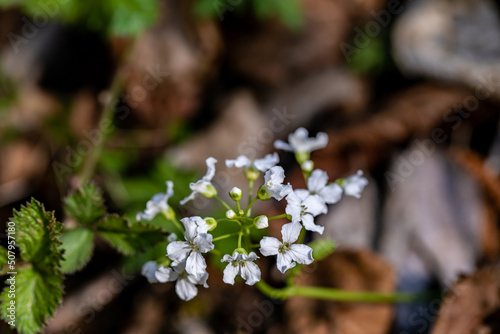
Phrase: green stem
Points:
(239, 238)
(177, 223)
(250, 191)
(222, 202)
(337, 295)
(278, 216)
(247, 211)
(238, 207)
(90, 164)
(225, 236)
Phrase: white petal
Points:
(290, 232)
(148, 270)
(204, 242)
(250, 257)
(240, 161)
(164, 274)
(170, 189)
(178, 251)
(202, 226)
(274, 176)
(281, 145)
(185, 289)
(195, 264)
(317, 181)
(301, 253)
(201, 280)
(229, 258)
(320, 141)
(284, 262)
(308, 222)
(331, 193)
(293, 210)
(267, 162)
(302, 194)
(230, 273)
(250, 272)
(191, 228)
(189, 198)
(354, 184)
(315, 205)
(269, 246)
(210, 169)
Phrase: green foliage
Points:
(322, 248)
(39, 281)
(37, 234)
(3, 258)
(78, 245)
(85, 205)
(371, 58)
(37, 295)
(289, 12)
(127, 238)
(111, 17)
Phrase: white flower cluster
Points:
(188, 266)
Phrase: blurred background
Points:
(131, 93)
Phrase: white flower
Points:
(230, 214)
(354, 184)
(303, 207)
(203, 186)
(197, 242)
(299, 142)
(148, 270)
(288, 253)
(157, 204)
(186, 282)
(273, 186)
(317, 184)
(262, 165)
(171, 237)
(236, 194)
(261, 222)
(241, 264)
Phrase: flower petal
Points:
(164, 274)
(230, 273)
(191, 228)
(317, 180)
(195, 264)
(178, 251)
(185, 289)
(301, 253)
(308, 222)
(315, 205)
(281, 145)
(284, 262)
(148, 270)
(250, 257)
(354, 184)
(240, 161)
(267, 162)
(204, 242)
(290, 232)
(170, 189)
(331, 193)
(269, 246)
(210, 169)
(250, 272)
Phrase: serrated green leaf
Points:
(37, 233)
(322, 248)
(85, 205)
(37, 295)
(125, 237)
(78, 246)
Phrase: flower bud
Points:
(263, 193)
(209, 191)
(236, 194)
(302, 156)
(261, 222)
(230, 214)
(169, 213)
(307, 166)
(211, 222)
(251, 173)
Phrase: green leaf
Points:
(78, 245)
(125, 237)
(322, 248)
(3, 257)
(37, 233)
(37, 295)
(131, 17)
(85, 205)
